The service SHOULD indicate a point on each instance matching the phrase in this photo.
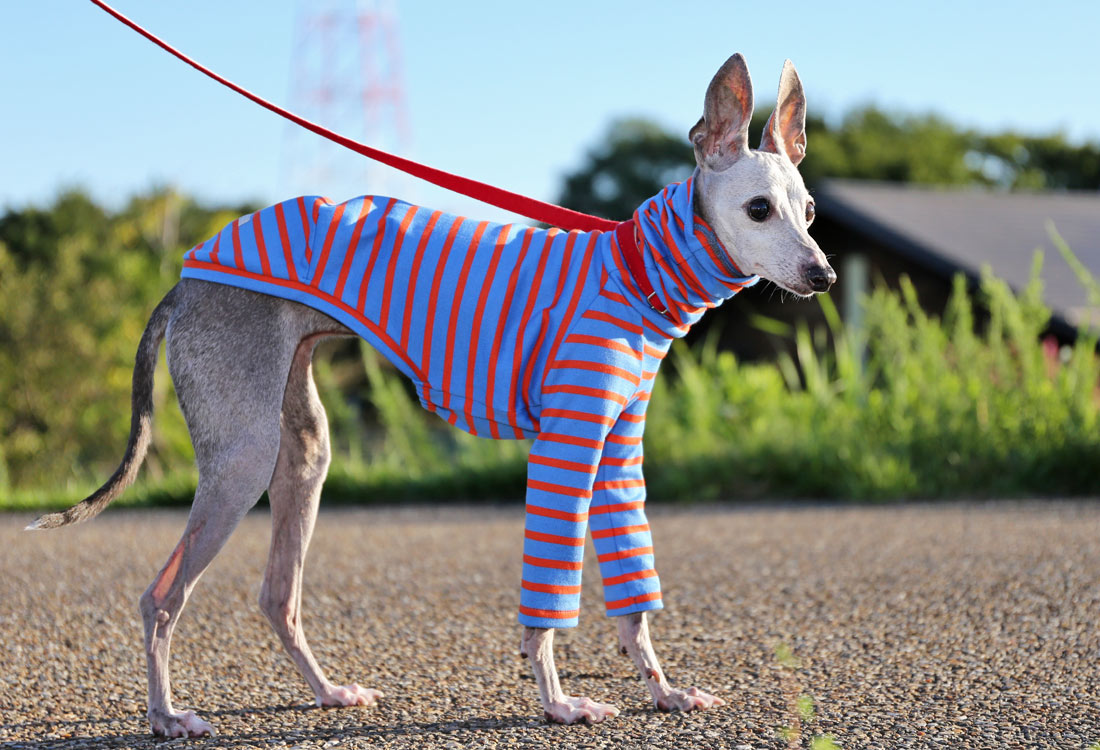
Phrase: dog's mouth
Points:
(801, 290)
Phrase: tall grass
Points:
(911, 406)
(975, 404)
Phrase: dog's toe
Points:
(572, 710)
(350, 695)
(179, 724)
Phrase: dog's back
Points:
(463, 308)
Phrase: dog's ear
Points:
(722, 133)
(785, 133)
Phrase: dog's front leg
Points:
(634, 640)
(538, 646)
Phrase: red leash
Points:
(548, 213)
(505, 199)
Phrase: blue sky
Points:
(505, 92)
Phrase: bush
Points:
(912, 406)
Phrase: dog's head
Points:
(755, 199)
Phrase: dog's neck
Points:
(686, 263)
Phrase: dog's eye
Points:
(811, 212)
(758, 209)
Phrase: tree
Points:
(637, 158)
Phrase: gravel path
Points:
(939, 626)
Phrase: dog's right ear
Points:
(722, 133)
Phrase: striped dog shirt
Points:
(509, 332)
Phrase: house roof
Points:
(950, 230)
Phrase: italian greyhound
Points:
(507, 332)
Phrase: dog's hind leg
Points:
(295, 493)
(220, 503)
(229, 352)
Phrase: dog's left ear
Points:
(785, 133)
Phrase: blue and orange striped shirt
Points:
(509, 332)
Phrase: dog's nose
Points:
(820, 278)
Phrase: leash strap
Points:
(628, 245)
(531, 208)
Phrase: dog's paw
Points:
(575, 710)
(179, 724)
(692, 699)
(350, 695)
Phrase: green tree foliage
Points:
(78, 284)
(637, 158)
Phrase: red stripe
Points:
(616, 507)
(565, 541)
(623, 440)
(214, 252)
(556, 437)
(634, 418)
(521, 330)
(618, 484)
(261, 246)
(559, 489)
(387, 295)
(581, 390)
(654, 351)
(623, 554)
(479, 311)
(353, 243)
(287, 255)
(659, 332)
(306, 224)
(320, 294)
(620, 531)
(574, 300)
(610, 461)
(561, 515)
(580, 364)
(618, 346)
(379, 233)
(624, 271)
(560, 463)
(614, 297)
(238, 256)
(530, 368)
(498, 336)
(444, 256)
(618, 603)
(618, 322)
(704, 240)
(334, 222)
(580, 416)
(459, 291)
(635, 576)
(681, 262)
(414, 276)
(550, 588)
(543, 562)
(552, 614)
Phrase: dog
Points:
(507, 332)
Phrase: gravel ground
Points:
(938, 626)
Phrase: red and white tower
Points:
(346, 75)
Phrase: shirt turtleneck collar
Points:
(684, 260)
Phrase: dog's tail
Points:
(141, 417)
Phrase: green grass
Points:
(912, 406)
